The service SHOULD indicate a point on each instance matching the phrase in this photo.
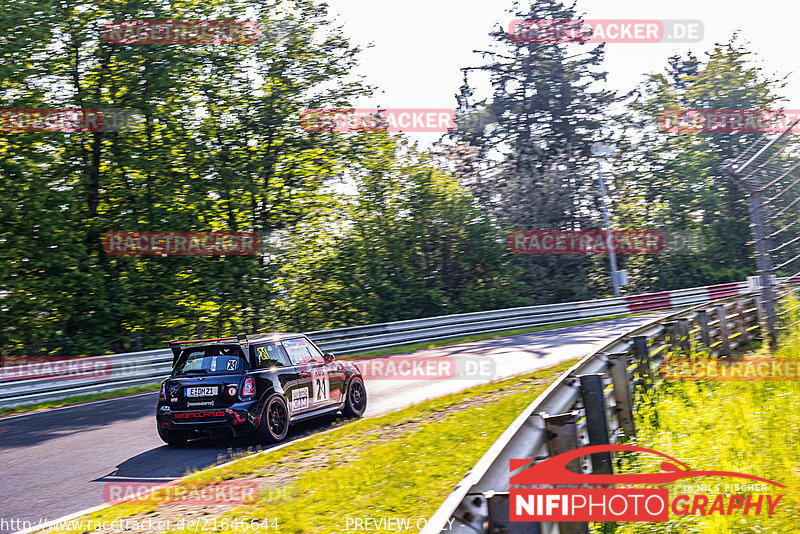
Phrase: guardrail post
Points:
(742, 322)
(643, 360)
(685, 331)
(499, 512)
(725, 347)
(702, 318)
(594, 403)
(623, 396)
(562, 436)
(672, 334)
(760, 314)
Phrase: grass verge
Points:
(748, 427)
(400, 465)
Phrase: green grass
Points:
(78, 400)
(750, 427)
(401, 464)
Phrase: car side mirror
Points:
(328, 357)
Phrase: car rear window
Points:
(213, 360)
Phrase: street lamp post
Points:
(599, 149)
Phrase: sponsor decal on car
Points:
(202, 403)
(205, 414)
(299, 399)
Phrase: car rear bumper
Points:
(238, 419)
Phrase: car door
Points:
(272, 358)
(335, 372)
(324, 391)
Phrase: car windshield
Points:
(211, 360)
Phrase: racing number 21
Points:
(322, 387)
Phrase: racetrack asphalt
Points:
(56, 462)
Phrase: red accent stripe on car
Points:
(176, 341)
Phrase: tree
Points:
(218, 147)
(672, 182)
(409, 242)
(530, 163)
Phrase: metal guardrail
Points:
(148, 367)
(592, 403)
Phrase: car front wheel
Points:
(356, 402)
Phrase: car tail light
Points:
(163, 394)
(248, 388)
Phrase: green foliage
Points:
(408, 243)
(744, 426)
(672, 181)
(528, 160)
(217, 146)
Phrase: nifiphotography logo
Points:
(605, 502)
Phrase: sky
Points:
(421, 45)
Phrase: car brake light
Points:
(248, 388)
(163, 394)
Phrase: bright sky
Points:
(420, 45)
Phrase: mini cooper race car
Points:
(253, 384)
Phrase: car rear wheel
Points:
(356, 402)
(274, 421)
(174, 438)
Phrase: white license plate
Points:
(202, 392)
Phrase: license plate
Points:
(202, 392)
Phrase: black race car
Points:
(253, 384)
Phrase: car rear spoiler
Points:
(177, 345)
